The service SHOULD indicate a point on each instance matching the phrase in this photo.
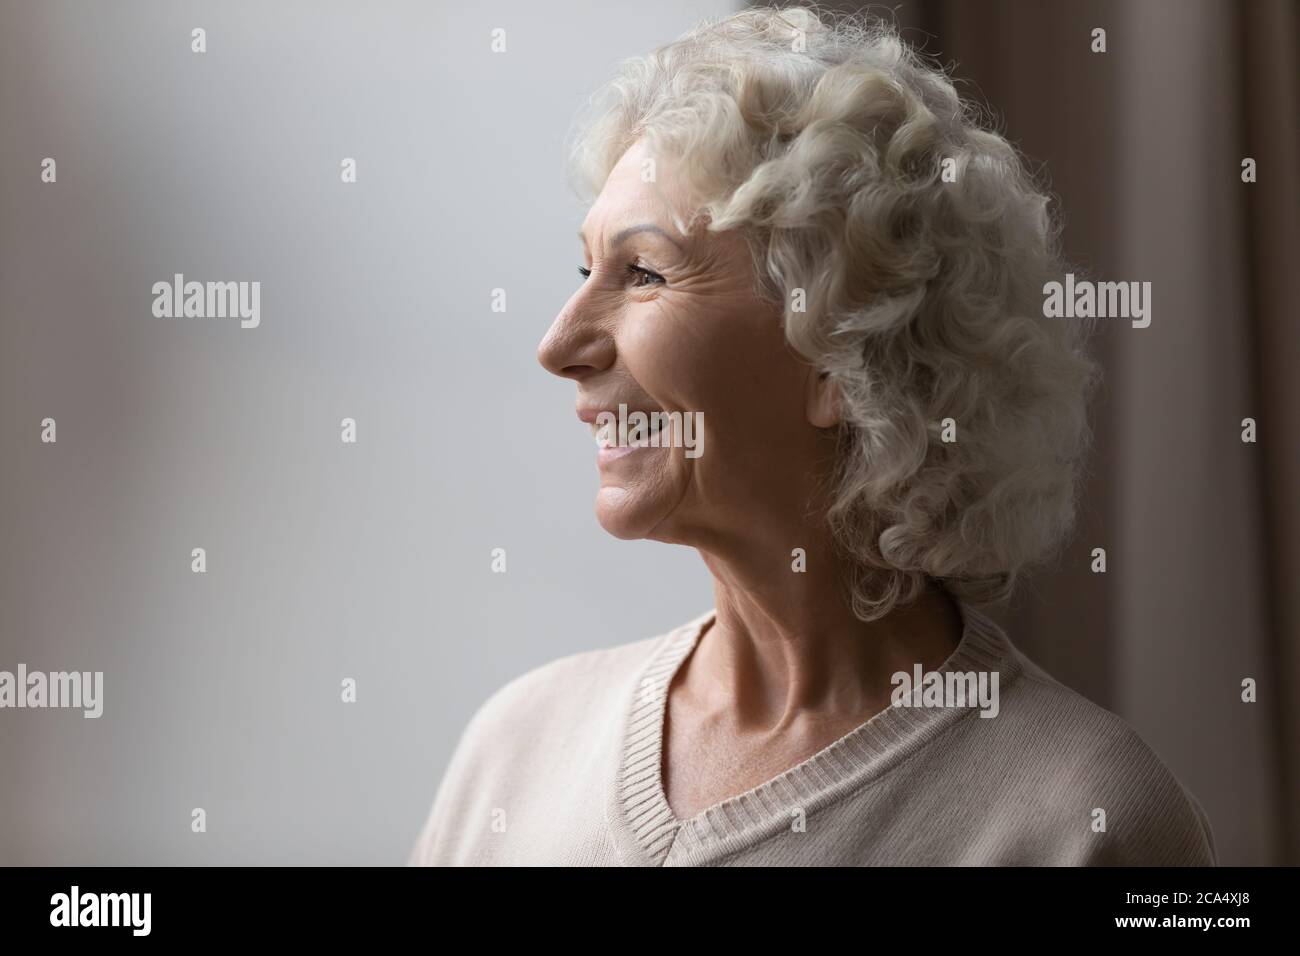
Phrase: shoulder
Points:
(1084, 759)
(567, 704)
(566, 687)
(555, 722)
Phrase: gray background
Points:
(325, 560)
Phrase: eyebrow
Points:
(633, 230)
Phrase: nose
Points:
(576, 345)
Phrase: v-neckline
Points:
(649, 833)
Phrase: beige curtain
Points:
(1143, 145)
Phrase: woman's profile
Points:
(809, 341)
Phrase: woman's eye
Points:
(641, 277)
(644, 277)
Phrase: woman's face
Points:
(671, 322)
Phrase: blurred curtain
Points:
(1142, 146)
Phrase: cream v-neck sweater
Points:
(562, 766)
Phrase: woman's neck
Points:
(786, 643)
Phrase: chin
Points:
(625, 514)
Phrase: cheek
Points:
(665, 352)
(710, 353)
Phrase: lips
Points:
(606, 432)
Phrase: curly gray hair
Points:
(920, 246)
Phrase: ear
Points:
(823, 400)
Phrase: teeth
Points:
(606, 436)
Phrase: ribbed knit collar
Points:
(648, 833)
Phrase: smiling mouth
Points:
(607, 435)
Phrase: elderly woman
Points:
(805, 244)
